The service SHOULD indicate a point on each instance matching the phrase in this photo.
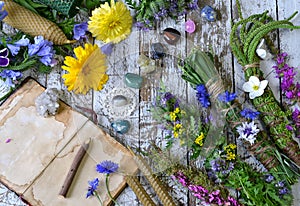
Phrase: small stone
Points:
(190, 26)
(133, 80)
(157, 51)
(121, 126)
(146, 64)
(208, 13)
(171, 36)
(119, 101)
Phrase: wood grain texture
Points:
(208, 36)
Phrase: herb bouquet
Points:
(244, 39)
(198, 70)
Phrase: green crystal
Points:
(133, 80)
(121, 126)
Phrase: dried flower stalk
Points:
(157, 185)
(139, 191)
(33, 24)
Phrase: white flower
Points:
(255, 87)
(248, 131)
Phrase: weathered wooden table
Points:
(208, 35)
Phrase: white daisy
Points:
(255, 87)
(248, 131)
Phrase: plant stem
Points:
(98, 197)
(108, 191)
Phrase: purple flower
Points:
(283, 191)
(269, 178)
(43, 49)
(93, 185)
(4, 61)
(80, 30)
(202, 95)
(249, 113)
(107, 48)
(193, 5)
(296, 117)
(227, 97)
(10, 76)
(107, 167)
(3, 12)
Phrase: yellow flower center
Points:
(114, 24)
(255, 87)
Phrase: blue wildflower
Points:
(14, 50)
(193, 5)
(80, 30)
(107, 167)
(3, 12)
(107, 48)
(93, 185)
(269, 178)
(202, 95)
(227, 97)
(4, 61)
(10, 76)
(14, 47)
(43, 49)
(283, 191)
(249, 113)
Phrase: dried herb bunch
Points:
(197, 68)
(244, 39)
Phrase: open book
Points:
(36, 161)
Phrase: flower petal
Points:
(247, 86)
(263, 84)
(254, 80)
(4, 62)
(4, 52)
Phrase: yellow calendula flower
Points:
(87, 70)
(110, 23)
(199, 139)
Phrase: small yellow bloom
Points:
(110, 23)
(87, 70)
(173, 116)
(177, 110)
(199, 139)
(176, 134)
(230, 156)
(177, 126)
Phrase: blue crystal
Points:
(121, 126)
(133, 80)
(208, 13)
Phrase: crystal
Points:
(190, 26)
(121, 126)
(157, 50)
(119, 101)
(146, 64)
(47, 102)
(133, 80)
(208, 13)
(171, 36)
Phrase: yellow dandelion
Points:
(110, 23)
(87, 70)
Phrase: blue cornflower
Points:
(3, 12)
(4, 61)
(107, 167)
(93, 185)
(227, 97)
(10, 76)
(202, 95)
(42, 48)
(249, 113)
(80, 30)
